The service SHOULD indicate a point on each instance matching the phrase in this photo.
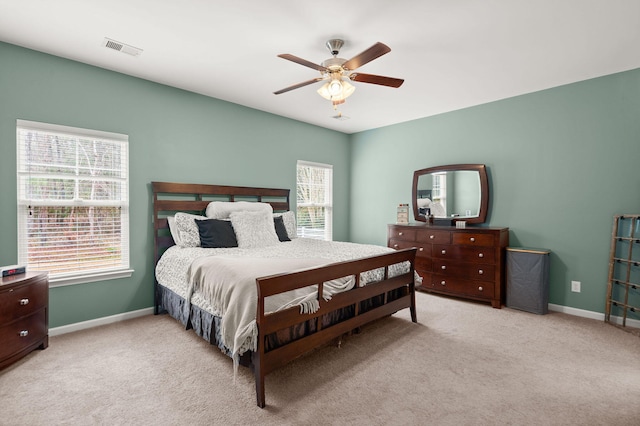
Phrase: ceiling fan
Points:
(337, 72)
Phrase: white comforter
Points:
(193, 274)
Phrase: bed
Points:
(292, 296)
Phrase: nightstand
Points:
(24, 317)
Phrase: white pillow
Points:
(173, 228)
(223, 209)
(188, 229)
(289, 220)
(254, 229)
(424, 202)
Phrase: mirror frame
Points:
(484, 191)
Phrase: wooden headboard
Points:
(170, 198)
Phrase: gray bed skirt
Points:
(207, 325)
(203, 323)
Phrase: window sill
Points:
(91, 277)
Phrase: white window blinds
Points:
(73, 201)
(314, 200)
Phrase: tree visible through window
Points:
(314, 200)
(73, 200)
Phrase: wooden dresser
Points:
(464, 262)
(24, 320)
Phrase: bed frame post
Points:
(257, 357)
(412, 293)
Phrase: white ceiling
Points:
(452, 53)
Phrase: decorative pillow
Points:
(189, 234)
(254, 229)
(289, 219)
(223, 209)
(281, 231)
(173, 228)
(215, 233)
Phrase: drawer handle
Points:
(421, 249)
(480, 288)
(400, 233)
(472, 239)
(480, 271)
(24, 302)
(444, 252)
(432, 236)
(395, 246)
(24, 333)
(480, 255)
(444, 266)
(443, 282)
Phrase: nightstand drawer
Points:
(23, 300)
(24, 322)
(23, 333)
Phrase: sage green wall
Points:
(174, 135)
(562, 162)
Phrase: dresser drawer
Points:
(471, 271)
(466, 253)
(23, 300)
(480, 289)
(423, 250)
(423, 264)
(402, 234)
(433, 236)
(475, 239)
(426, 280)
(23, 333)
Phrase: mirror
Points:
(458, 192)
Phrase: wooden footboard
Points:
(265, 361)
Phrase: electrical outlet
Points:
(575, 286)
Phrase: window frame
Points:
(123, 270)
(328, 197)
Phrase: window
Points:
(440, 189)
(314, 200)
(73, 202)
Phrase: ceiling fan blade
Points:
(304, 62)
(377, 79)
(368, 55)
(297, 86)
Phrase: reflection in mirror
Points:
(455, 192)
(449, 194)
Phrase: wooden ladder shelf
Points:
(623, 288)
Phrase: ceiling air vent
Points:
(121, 47)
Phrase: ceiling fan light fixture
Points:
(335, 87)
(337, 72)
(336, 90)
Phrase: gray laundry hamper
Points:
(528, 279)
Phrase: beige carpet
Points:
(463, 364)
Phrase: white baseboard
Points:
(592, 315)
(56, 331)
